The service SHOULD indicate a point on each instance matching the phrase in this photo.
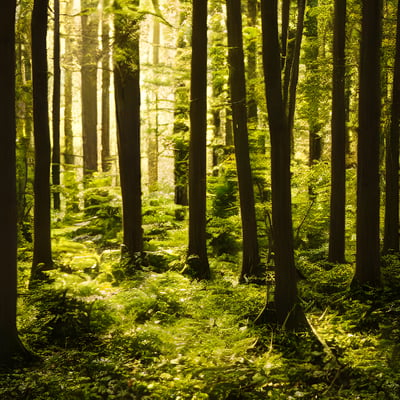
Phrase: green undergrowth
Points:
(157, 334)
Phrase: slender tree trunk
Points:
(391, 237)
(197, 251)
(56, 108)
(181, 145)
(42, 258)
(68, 61)
(250, 257)
(153, 133)
(252, 65)
(105, 92)
(368, 199)
(294, 70)
(10, 345)
(217, 41)
(89, 22)
(338, 126)
(181, 119)
(285, 13)
(288, 310)
(313, 82)
(127, 100)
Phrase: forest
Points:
(199, 199)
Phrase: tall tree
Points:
(197, 251)
(42, 257)
(251, 52)
(181, 114)
(338, 127)
(105, 89)
(127, 101)
(250, 255)
(391, 236)
(55, 167)
(89, 22)
(312, 82)
(68, 61)
(294, 69)
(9, 342)
(368, 196)
(153, 132)
(288, 310)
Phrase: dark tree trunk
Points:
(288, 310)
(338, 126)
(391, 237)
(10, 345)
(56, 108)
(105, 91)
(250, 257)
(197, 251)
(42, 258)
(294, 70)
(89, 22)
(313, 83)
(127, 100)
(368, 199)
(285, 12)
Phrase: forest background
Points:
(200, 199)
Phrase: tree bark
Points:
(105, 91)
(338, 149)
(68, 61)
(55, 167)
(127, 100)
(368, 196)
(10, 345)
(42, 257)
(197, 250)
(294, 70)
(153, 132)
(288, 311)
(391, 236)
(89, 22)
(250, 257)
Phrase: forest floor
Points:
(100, 331)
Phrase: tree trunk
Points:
(294, 70)
(218, 80)
(127, 100)
(252, 65)
(42, 258)
(105, 91)
(391, 237)
(313, 83)
(181, 121)
(250, 257)
(10, 345)
(368, 200)
(197, 251)
(56, 108)
(338, 126)
(153, 132)
(288, 311)
(89, 23)
(68, 61)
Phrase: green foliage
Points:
(310, 188)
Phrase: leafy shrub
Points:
(63, 319)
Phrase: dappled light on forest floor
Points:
(158, 334)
